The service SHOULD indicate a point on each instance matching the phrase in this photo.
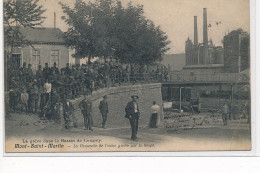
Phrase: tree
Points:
(140, 41)
(21, 13)
(17, 14)
(106, 29)
(90, 28)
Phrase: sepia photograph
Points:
(84, 76)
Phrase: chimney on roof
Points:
(54, 20)
(195, 31)
(205, 37)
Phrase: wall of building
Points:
(118, 97)
(236, 52)
(45, 54)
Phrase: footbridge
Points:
(207, 79)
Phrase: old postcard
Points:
(127, 75)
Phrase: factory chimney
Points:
(205, 37)
(195, 31)
(54, 20)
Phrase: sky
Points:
(175, 17)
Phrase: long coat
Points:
(103, 107)
(86, 106)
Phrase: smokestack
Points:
(195, 31)
(54, 20)
(205, 36)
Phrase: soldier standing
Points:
(46, 71)
(67, 112)
(29, 91)
(103, 107)
(23, 71)
(67, 70)
(43, 102)
(55, 106)
(39, 77)
(12, 100)
(29, 74)
(34, 97)
(86, 110)
(54, 69)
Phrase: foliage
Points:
(105, 28)
(20, 13)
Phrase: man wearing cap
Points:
(29, 73)
(46, 71)
(23, 72)
(132, 113)
(39, 77)
(103, 107)
(86, 109)
(54, 69)
(67, 70)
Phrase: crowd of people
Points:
(43, 91)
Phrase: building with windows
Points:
(47, 46)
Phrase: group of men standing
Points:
(86, 108)
(132, 113)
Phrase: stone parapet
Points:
(118, 97)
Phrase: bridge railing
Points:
(218, 77)
(76, 89)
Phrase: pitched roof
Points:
(43, 35)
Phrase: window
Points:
(36, 57)
(55, 57)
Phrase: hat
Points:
(134, 96)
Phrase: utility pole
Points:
(180, 97)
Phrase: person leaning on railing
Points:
(73, 81)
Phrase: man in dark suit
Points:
(86, 109)
(103, 107)
(132, 113)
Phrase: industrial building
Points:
(205, 57)
(236, 51)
